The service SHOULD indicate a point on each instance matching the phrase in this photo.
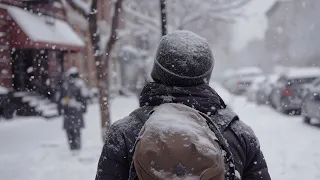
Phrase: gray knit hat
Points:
(183, 59)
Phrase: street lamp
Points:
(163, 17)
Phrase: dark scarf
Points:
(202, 98)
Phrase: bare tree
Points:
(183, 12)
(204, 17)
(101, 52)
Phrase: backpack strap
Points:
(142, 114)
(219, 123)
(217, 129)
(225, 118)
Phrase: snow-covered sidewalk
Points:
(291, 148)
(36, 149)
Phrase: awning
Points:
(40, 31)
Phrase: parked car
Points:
(287, 94)
(254, 87)
(241, 80)
(226, 77)
(264, 92)
(239, 86)
(311, 102)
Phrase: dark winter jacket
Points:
(73, 103)
(116, 157)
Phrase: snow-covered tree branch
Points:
(182, 13)
(81, 7)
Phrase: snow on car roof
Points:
(252, 78)
(259, 79)
(228, 73)
(303, 73)
(273, 78)
(248, 70)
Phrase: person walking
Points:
(73, 103)
(183, 129)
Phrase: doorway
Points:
(22, 70)
(30, 70)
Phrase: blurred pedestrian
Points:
(73, 104)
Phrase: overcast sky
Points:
(253, 25)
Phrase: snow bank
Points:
(3, 90)
(19, 94)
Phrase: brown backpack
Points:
(178, 142)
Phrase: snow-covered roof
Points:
(303, 72)
(41, 28)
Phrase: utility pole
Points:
(163, 13)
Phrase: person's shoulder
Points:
(128, 123)
(124, 123)
(245, 133)
(123, 130)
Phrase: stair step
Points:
(20, 94)
(50, 113)
(46, 107)
(35, 104)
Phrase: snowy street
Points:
(36, 149)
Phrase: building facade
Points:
(36, 44)
(292, 37)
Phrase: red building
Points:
(35, 40)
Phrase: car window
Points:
(298, 81)
(317, 83)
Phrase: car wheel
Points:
(306, 120)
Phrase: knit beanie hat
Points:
(183, 59)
